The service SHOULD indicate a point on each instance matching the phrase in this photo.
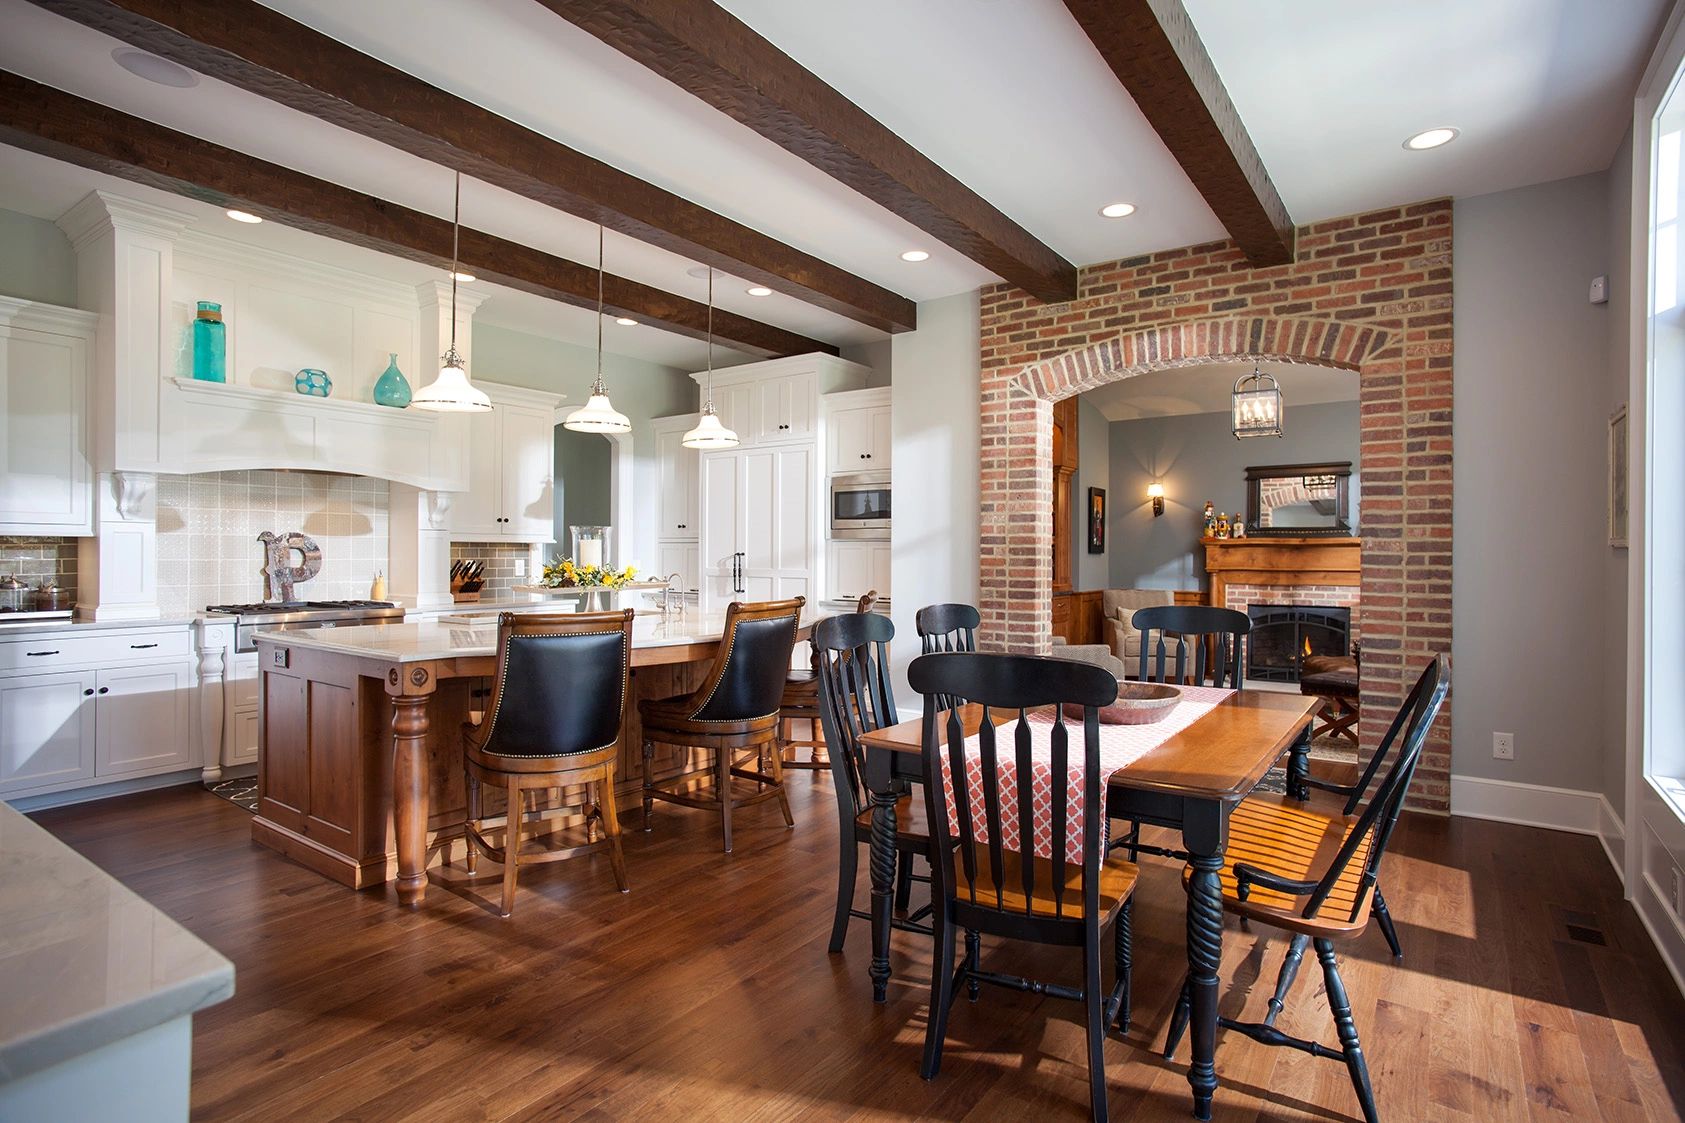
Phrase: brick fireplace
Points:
(1369, 293)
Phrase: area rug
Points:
(242, 791)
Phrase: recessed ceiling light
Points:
(697, 271)
(759, 290)
(145, 64)
(243, 216)
(915, 255)
(626, 321)
(465, 278)
(1118, 210)
(1431, 138)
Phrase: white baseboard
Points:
(1611, 832)
(1665, 930)
(1531, 805)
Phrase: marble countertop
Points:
(426, 640)
(19, 629)
(83, 961)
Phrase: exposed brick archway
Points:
(1370, 293)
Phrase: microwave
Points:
(860, 505)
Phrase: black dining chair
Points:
(553, 724)
(1314, 875)
(980, 886)
(800, 702)
(1207, 644)
(734, 711)
(947, 627)
(855, 697)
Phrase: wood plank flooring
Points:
(707, 992)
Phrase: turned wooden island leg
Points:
(409, 794)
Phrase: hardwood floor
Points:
(707, 992)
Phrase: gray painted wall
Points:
(1094, 469)
(934, 433)
(878, 354)
(1196, 457)
(638, 389)
(36, 261)
(1530, 554)
(1615, 391)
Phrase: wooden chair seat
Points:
(1278, 834)
(1117, 882)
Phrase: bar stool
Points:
(801, 703)
(735, 710)
(554, 723)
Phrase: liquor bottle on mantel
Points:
(210, 354)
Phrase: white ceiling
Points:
(1206, 388)
(1008, 95)
(1329, 91)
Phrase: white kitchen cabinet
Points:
(683, 558)
(855, 568)
(759, 532)
(143, 718)
(46, 483)
(676, 500)
(511, 457)
(46, 729)
(857, 432)
(777, 401)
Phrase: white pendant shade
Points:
(451, 392)
(598, 415)
(710, 432)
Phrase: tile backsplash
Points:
(35, 560)
(208, 523)
(500, 559)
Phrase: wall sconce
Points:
(1155, 492)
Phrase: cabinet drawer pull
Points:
(141, 646)
(34, 653)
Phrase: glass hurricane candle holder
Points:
(590, 546)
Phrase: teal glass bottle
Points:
(210, 349)
(393, 389)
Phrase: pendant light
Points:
(598, 414)
(710, 432)
(451, 392)
(1257, 407)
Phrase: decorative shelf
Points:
(232, 392)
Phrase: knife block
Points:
(460, 597)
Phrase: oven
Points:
(860, 506)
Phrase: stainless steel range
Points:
(293, 615)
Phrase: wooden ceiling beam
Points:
(1154, 49)
(708, 52)
(260, 50)
(65, 127)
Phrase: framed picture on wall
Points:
(1618, 478)
(1096, 520)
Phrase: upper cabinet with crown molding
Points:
(46, 479)
(511, 469)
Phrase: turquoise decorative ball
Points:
(315, 383)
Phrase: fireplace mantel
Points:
(1281, 561)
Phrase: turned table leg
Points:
(1204, 831)
(409, 794)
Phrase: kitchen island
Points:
(360, 738)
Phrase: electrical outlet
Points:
(520, 567)
(1503, 746)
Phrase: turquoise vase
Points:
(210, 348)
(315, 383)
(392, 389)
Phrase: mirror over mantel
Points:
(1299, 500)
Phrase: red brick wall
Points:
(1369, 293)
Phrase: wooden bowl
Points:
(1138, 703)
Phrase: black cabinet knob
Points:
(105, 690)
(88, 692)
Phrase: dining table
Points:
(1189, 777)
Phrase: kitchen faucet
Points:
(672, 596)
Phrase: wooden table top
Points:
(1222, 756)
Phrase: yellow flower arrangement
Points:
(563, 573)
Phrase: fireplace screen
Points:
(1283, 635)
